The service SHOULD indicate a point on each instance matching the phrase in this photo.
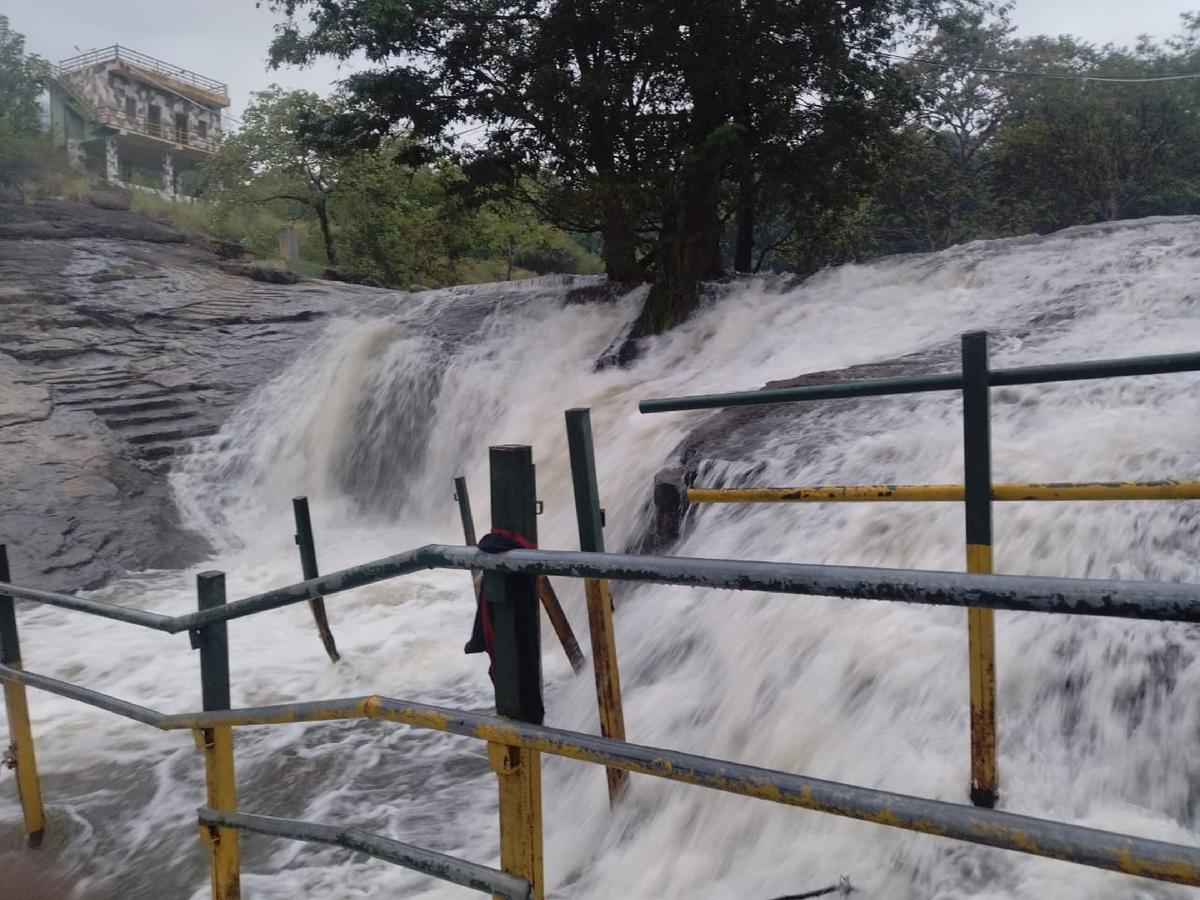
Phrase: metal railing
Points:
(205, 142)
(977, 493)
(516, 736)
(142, 61)
(1163, 602)
(114, 117)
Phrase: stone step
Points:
(150, 417)
(118, 407)
(159, 451)
(76, 381)
(160, 432)
(101, 396)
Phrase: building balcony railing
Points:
(192, 138)
(141, 61)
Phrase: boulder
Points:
(109, 197)
(258, 272)
(222, 248)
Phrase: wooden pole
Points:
(308, 565)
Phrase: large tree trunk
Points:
(687, 253)
(326, 234)
(620, 240)
(743, 248)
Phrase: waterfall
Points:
(1098, 719)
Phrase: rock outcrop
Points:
(119, 343)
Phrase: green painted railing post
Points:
(599, 601)
(463, 499)
(20, 731)
(550, 602)
(981, 629)
(513, 605)
(217, 741)
(308, 566)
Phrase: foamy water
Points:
(1098, 719)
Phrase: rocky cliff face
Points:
(119, 342)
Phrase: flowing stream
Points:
(1099, 719)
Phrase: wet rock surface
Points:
(119, 343)
(736, 433)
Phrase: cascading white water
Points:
(1098, 719)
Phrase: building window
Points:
(202, 130)
(154, 120)
(181, 128)
(131, 109)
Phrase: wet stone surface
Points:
(116, 349)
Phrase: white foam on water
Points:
(1098, 718)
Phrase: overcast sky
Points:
(227, 39)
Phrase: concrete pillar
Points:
(289, 243)
(112, 169)
(75, 157)
(168, 175)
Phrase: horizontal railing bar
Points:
(92, 607)
(92, 698)
(1010, 831)
(1160, 601)
(429, 862)
(1106, 850)
(877, 387)
(325, 586)
(916, 384)
(933, 493)
(1162, 364)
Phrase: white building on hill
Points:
(134, 119)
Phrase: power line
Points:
(1060, 76)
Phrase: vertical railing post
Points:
(981, 631)
(217, 741)
(308, 566)
(550, 602)
(16, 705)
(513, 605)
(599, 600)
(464, 510)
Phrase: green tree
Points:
(400, 224)
(1072, 152)
(637, 114)
(21, 78)
(266, 162)
(940, 187)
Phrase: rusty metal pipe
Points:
(1039, 837)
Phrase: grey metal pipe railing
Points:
(99, 608)
(429, 862)
(1159, 601)
(917, 384)
(145, 715)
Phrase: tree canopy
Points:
(380, 218)
(21, 77)
(630, 118)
